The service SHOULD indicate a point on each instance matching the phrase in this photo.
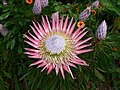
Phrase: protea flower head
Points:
(57, 46)
(95, 4)
(38, 5)
(85, 14)
(101, 31)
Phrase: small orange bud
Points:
(80, 23)
(77, 9)
(29, 1)
(93, 11)
(115, 48)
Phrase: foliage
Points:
(104, 70)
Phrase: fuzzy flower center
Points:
(55, 44)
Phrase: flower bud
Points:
(44, 3)
(38, 5)
(101, 31)
(95, 4)
(54, 15)
(85, 14)
(3, 31)
(5, 2)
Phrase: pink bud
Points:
(3, 31)
(54, 15)
(44, 3)
(95, 4)
(38, 5)
(85, 14)
(101, 31)
(5, 2)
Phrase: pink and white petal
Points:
(41, 65)
(57, 21)
(37, 57)
(41, 29)
(70, 72)
(82, 62)
(65, 24)
(81, 36)
(33, 36)
(31, 53)
(69, 25)
(31, 39)
(78, 32)
(36, 27)
(83, 46)
(56, 69)
(53, 24)
(45, 26)
(61, 23)
(32, 44)
(62, 72)
(45, 67)
(65, 67)
(79, 62)
(32, 50)
(48, 23)
(71, 64)
(83, 51)
(35, 63)
(36, 33)
(73, 55)
(82, 42)
(72, 28)
(49, 69)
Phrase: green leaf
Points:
(118, 70)
(8, 23)
(8, 75)
(35, 83)
(99, 75)
(3, 85)
(16, 83)
(12, 44)
(118, 2)
(4, 16)
(24, 76)
(20, 49)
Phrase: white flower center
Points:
(55, 44)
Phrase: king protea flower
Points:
(57, 46)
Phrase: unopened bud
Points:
(101, 31)
(3, 31)
(95, 4)
(44, 3)
(38, 5)
(5, 2)
(54, 15)
(85, 14)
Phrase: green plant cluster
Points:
(103, 72)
